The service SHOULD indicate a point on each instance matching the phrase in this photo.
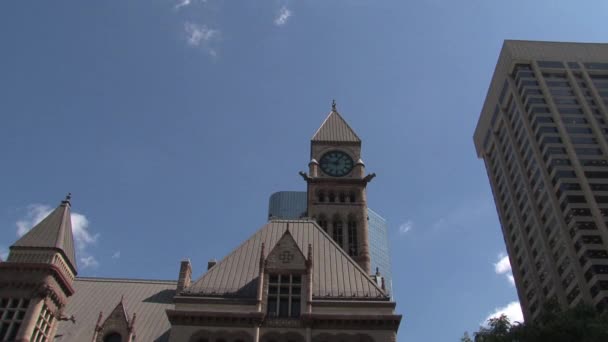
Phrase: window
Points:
(338, 232)
(42, 329)
(284, 292)
(596, 66)
(12, 312)
(112, 337)
(332, 197)
(323, 223)
(321, 196)
(353, 245)
(550, 64)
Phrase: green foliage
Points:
(579, 324)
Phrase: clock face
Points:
(336, 163)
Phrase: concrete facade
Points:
(542, 135)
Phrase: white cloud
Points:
(511, 310)
(182, 3)
(116, 255)
(3, 253)
(80, 230)
(406, 227)
(282, 16)
(201, 36)
(89, 262)
(35, 214)
(186, 3)
(503, 266)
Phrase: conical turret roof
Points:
(53, 232)
(335, 129)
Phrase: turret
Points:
(37, 277)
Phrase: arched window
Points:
(113, 337)
(338, 232)
(353, 242)
(321, 195)
(353, 197)
(332, 197)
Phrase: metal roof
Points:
(335, 129)
(335, 274)
(54, 231)
(148, 299)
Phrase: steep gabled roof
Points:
(148, 298)
(335, 129)
(335, 274)
(54, 232)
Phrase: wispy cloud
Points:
(511, 310)
(80, 230)
(282, 16)
(503, 266)
(89, 262)
(406, 226)
(3, 253)
(182, 3)
(116, 255)
(466, 214)
(201, 36)
(186, 3)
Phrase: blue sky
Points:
(172, 122)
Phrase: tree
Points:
(582, 323)
(465, 337)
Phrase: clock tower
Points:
(336, 187)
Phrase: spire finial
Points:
(333, 106)
(68, 199)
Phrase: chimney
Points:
(211, 263)
(185, 275)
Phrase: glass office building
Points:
(292, 205)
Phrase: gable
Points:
(335, 274)
(286, 255)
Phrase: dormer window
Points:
(284, 293)
(113, 337)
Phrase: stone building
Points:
(292, 281)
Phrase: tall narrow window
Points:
(323, 223)
(338, 232)
(284, 292)
(353, 244)
(42, 330)
(12, 312)
(321, 196)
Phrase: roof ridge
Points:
(127, 280)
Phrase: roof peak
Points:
(335, 129)
(53, 232)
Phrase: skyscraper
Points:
(542, 135)
(291, 205)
